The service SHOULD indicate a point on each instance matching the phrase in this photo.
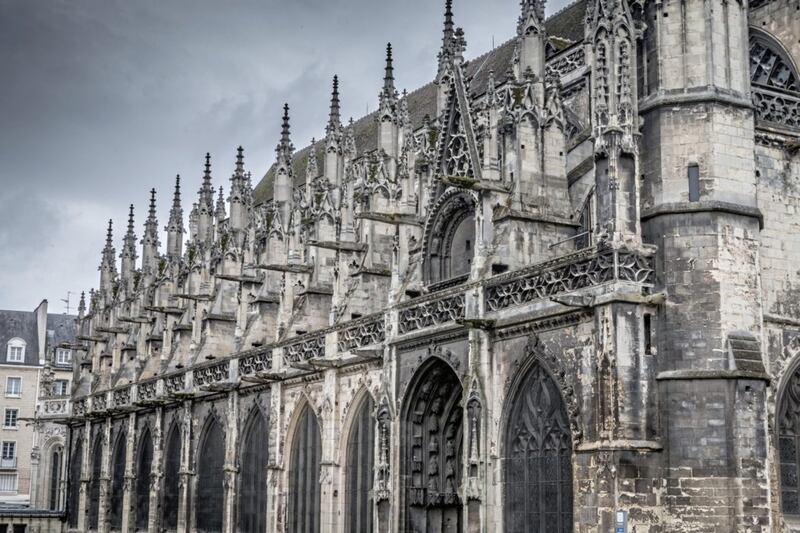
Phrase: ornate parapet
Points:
(311, 346)
(776, 109)
(363, 332)
(54, 408)
(577, 271)
(434, 312)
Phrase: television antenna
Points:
(66, 301)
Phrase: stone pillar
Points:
(103, 518)
(156, 472)
(329, 463)
(231, 470)
(186, 472)
(86, 478)
(276, 496)
(129, 486)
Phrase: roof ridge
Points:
(568, 6)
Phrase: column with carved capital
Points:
(329, 465)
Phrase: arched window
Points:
(172, 466)
(538, 462)
(432, 450)
(118, 481)
(360, 463)
(451, 238)
(304, 486)
(144, 465)
(94, 484)
(210, 478)
(769, 65)
(789, 444)
(75, 467)
(15, 350)
(253, 485)
(55, 477)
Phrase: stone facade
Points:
(557, 283)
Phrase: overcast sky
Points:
(100, 100)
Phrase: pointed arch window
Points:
(210, 478)
(789, 445)
(253, 485)
(432, 450)
(538, 463)
(117, 481)
(56, 461)
(94, 484)
(450, 240)
(75, 467)
(304, 485)
(144, 466)
(769, 65)
(360, 464)
(172, 466)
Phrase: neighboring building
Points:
(555, 287)
(30, 343)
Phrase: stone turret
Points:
(333, 139)
(237, 199)
(108, 266)
(284, 180)
(205, 206)
(388, 129)
(219, 210)
(531, 37)
(150, 242)
(175, 226)
(128, 255)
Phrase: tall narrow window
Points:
(94, 484)
(648, 333)
(360, 463)
(210, 477)
(55, 478)
(253, 488)
(144, 465)
(304, 487)
(172, 466)
(75, 467)
(694, 183)
(118, 481)
(789, 445)
(538, 467)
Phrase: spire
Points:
(335, 121)
(206, 190)
(150, 242)
(448, 32)
(220, 210)
(128, 254)
(108, 267)
(388, 77)
(82, 305)
(240, 161)
(175, 225)
(205, 206)
(285, 149)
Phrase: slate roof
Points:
(22, 324)
(566, 27)
(19, 324)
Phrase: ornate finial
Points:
(175, 224)
(130, 219)
(240, 160)
(129, 241)
(108, 250)
(285, 147)
(531, 18)
(82, 304)
(388, 77)
(110, 232)
(152, 212)
(206, 190)
(335, 117)
(448, 23)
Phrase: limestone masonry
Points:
(557, 285)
